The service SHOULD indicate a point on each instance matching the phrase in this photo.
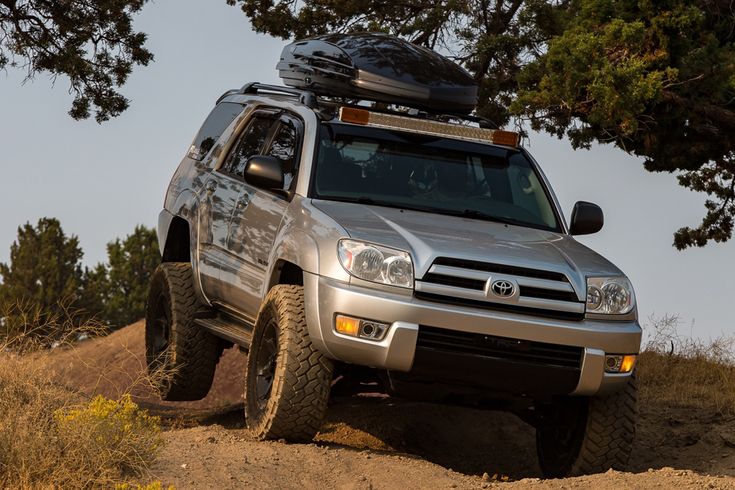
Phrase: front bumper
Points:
(325, 298)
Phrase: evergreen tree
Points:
(656, 79)
(91, 42)
(44, 275)
(121, 285)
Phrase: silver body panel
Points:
(239, 235)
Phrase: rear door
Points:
(258, 215)
(222, 190)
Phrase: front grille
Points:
(500, 268)
(531, 292)
(461, 281)
(557, 315)
(502, 348)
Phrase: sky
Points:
(101, 181)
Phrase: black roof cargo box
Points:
(378, 67)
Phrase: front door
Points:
(224, 187)
(258, 215)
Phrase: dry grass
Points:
(677, 369)
(25, 327)
(54, 437)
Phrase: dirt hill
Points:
(378, 442)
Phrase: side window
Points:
(249, 143)
(215, 124)
(285, 148)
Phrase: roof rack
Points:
(310, 100)
(305, 97)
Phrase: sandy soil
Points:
(378, 442)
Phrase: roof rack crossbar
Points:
(305, 97)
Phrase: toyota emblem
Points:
(503, 288)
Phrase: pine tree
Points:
(44, 275)
(123, 290)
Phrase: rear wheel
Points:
(181, 357)
(580, 436)
(287, 379)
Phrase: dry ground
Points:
(375, 442)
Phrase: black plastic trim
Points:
(501, 269)
(518, 350)
(451, 300)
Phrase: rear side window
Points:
(217, 121)
(250, 143)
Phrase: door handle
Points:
(211, 186)
(243, 202)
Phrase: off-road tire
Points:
(588, 435)
(291, 402)
(181, 356)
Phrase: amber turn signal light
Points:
(618, 363)
(347, 326)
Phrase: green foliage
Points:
(44, 278)
(45, 294)
(124, 287)
(657, 79)
(91, 42)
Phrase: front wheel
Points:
(581, 435)
(287, 381)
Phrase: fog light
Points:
(372, 330)
(618, 363)
(356, 327)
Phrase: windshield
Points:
(428, 173)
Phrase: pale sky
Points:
(102, 180)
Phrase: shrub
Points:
(117, 435)
(49, 437)
(678, 369)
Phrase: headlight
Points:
(375, 263)
(609, 295)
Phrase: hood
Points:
(427, 236)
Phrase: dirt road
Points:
(376, 442)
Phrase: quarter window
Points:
(217, 121)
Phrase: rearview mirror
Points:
(264, 171)
(587, 218)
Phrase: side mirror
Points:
(264, 171)
(587, 218)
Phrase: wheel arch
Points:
(294, 254)
(286, 272)
(177, 247)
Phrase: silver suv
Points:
(339, 244)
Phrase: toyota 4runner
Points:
(338, 243)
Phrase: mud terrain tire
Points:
(181, 356)
(287, 381)
(588, 435)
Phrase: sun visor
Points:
(378, 67)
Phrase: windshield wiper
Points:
(358, 200)
(473, 213)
